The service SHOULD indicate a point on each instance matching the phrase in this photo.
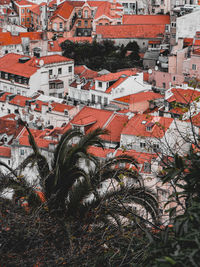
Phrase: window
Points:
(173, 35)
(27, 19)
(70, 68)
(50, 72)
(61, 25)
(5, 139)
(79, 23)
(99, 99)
(93, 98)
(21, 152)
(166, 28)
(125, 5)
(86, 23)
(99, 84)
(22, 11)
(105, 101)
(164, 85)
(174, 78)
(79, 13)
(194, 66)
(147, 167)
(28, 11)
(22, 20)
(155, 147)
(92, 13)
(86, 14)
(59, 70)
(100, 24)
(142, 145)
(118, 23)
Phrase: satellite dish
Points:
(149, 71)
(156, 67)
(41, 62)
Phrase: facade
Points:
(26, 75)
(23, 10)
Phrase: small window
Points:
(164, 85)
(22, 20)
(22, 152)
(174, 78)
(50, 72)
(28, 11)
(59, 70)
(22, 11)
(142, 145)
(99, 84)
(79, 13)
(100, 24)
(61, 25)
(99, 99)
(194, 66)
(86, 23)
(28, 19)
(70, 68)
(79, 23)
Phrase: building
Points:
(25, 75)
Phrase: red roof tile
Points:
(115, 76)
(137, 126)
(146, 19)
(53, 46)
(10, 63)
(23, 2)
(84, 71)
(5, 152)
(55, 59)
(131, 31)
(115, 127)
(3, 96)
(114, 85)
(100, 152)
(64, 10)
(19, 100)
(183, 96)
(60, 107)
(139, 97)
(104, 9)
(97, 118)
(9, 126)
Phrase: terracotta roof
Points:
(100, 152)
(196, 51)
(188, 41)
(64, 10)
(38, 136)
(10, 64)
(146, 19)
(195, 120)
(140, 157)
(114, 85)
(39, 105)
(60, 107)
(3, 96)
(84, 71)
(137, 126)
(6, 38)
(10, 126)
(139, 97)
(5, 152)
(54, 59)
(53, 46)
(23, 3)
(130, 31)
(104, 9)
(5, 2)
(20, 100)
(115, 127)
(97, 118)
(115, 76)
(183, 96)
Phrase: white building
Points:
(188, 25)
(24, 75)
